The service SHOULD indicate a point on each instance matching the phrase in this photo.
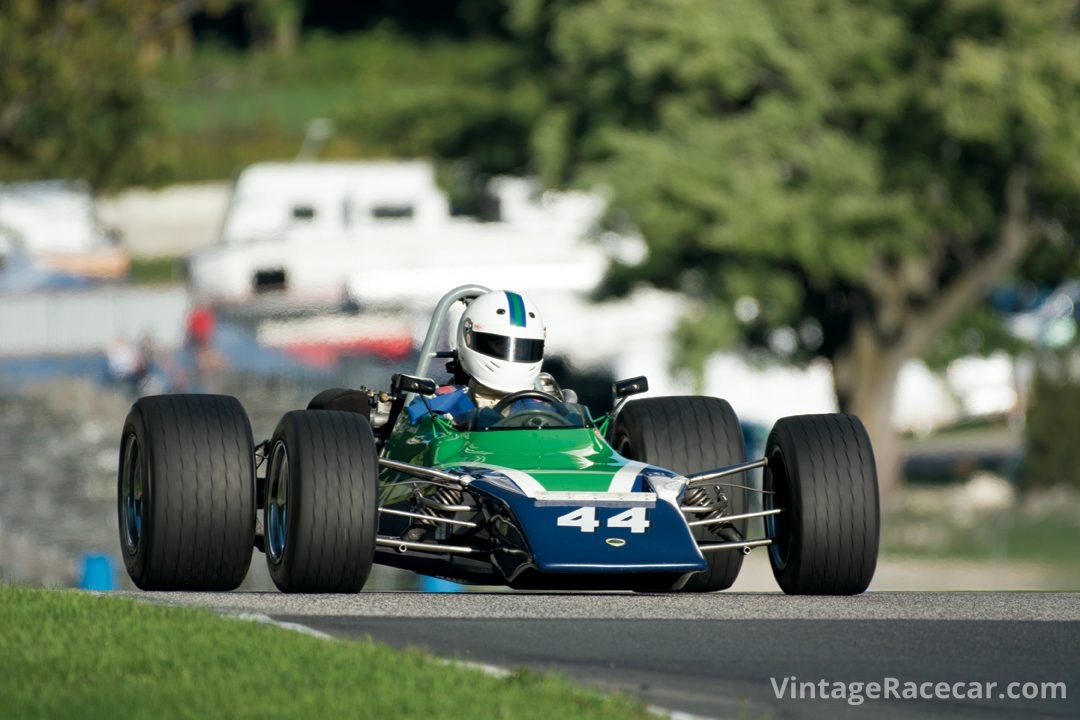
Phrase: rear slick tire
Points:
(186, 493)
(342, 399)
(821, 474)
(321, 511)
(691, 434)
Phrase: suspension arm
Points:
(731, 518)
(705, 477)
(423, 472)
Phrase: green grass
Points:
(1050, 540)
(222, 109)
(68, 654)
(324, 75)
(1039, 530)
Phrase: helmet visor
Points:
(502, 347)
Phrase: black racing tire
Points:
(342, 399)
(821, 473)
(687, 435)
(186, 493)
(321, 511)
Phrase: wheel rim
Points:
(132, 494)
(277, 504)
(777, 527)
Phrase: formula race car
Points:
(537, 492)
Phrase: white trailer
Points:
(315, 232)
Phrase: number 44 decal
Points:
(585, 519)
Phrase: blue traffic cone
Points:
(97, 573)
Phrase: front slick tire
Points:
(186, 493)
(321, 502)
(821, 473)
(691, 434)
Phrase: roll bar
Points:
(438, 317)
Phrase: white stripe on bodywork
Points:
(623, 480)
(596, 499)
(525, 482)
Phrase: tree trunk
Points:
(277, 23)
(865, 375)
(286, 34)
(867, 371)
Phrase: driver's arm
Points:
(448, 400)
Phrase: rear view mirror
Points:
(630, 386)
(402, 383)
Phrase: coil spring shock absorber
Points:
(704, 497)
(441, 496)
(423, 505)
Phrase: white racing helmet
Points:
(500, 341)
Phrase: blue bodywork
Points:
(556, 506)
(532, 538)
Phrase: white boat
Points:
(50, 236)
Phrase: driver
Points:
(500, 350)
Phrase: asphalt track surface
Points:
(716, 656)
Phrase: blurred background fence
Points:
(86, 321)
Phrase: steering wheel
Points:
(500, 407)
(534, 418)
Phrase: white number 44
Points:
(585, 519)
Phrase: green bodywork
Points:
(560, 459)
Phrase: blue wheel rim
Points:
(777, 528)
(277, 505)
(133, 496)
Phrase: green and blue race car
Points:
(537, 492)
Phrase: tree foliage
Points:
(858, 154)
(823, 178)
(72, 96)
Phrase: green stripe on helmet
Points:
(517, 309)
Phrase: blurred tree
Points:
(458, 19)
(482, 109)
(277, 23)
(824, 179)
(72, 100)
(269, 24)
